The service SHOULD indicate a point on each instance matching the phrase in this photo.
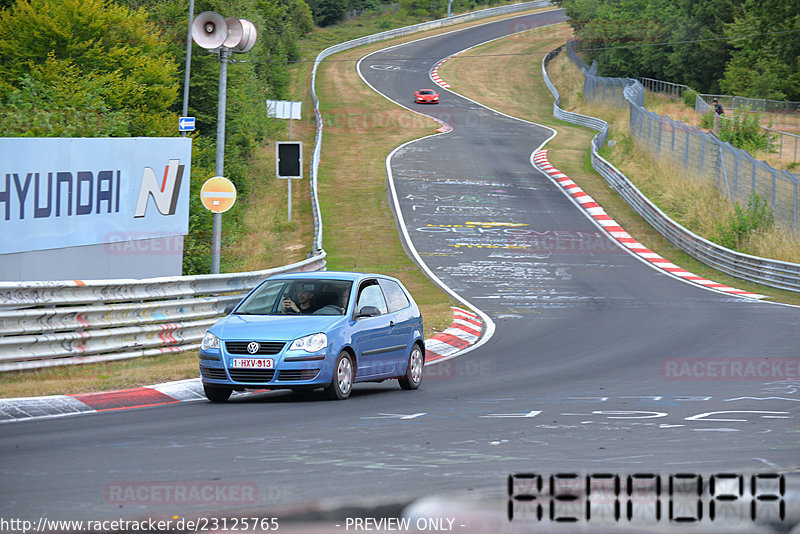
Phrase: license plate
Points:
(251, 363)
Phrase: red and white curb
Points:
(50, 406)
(464, 332)
(435, 70)
(434, 74)
(444, 128)
(617, 232)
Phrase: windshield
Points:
(426, 92)
(297, 297)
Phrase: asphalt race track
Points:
(585, 372)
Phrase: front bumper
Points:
(305, 370)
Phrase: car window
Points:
(395, 296)
(322, 297)
(262, 300)
(370, 294)
(331, 297)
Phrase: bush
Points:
(743, 130)
(689, 98)
(707, 120)
(743, 222)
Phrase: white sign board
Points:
(283, 109)
(69, 192)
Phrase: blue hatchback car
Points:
(306, 331)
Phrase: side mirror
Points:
(368, 311)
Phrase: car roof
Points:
(328, 275)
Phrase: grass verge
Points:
(521, 92)
(359, 225)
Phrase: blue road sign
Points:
(186, 124)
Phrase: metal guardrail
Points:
(46, 324)
(53, 323)
(568, 116)
(773, 273)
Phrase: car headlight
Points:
(312, 343)
(210, 341)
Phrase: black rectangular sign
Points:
(289, 159)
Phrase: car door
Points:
(373, 338)
(404, 320)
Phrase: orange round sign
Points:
(218, 194)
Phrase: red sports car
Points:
(426, 96)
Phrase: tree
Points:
(327, 12)
(766, 63)
(674, 40)
(54, 99)
(110, 57)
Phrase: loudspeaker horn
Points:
(249, 36)
(209, 30)
(234, 32)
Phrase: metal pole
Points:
(289, 180)
(449, 6)
(216, 238)
(796, 193)
(188, 64)
(216, 248)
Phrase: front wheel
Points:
(413, 377)
(343, 375)
(215, 394)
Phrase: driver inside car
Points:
(303, 302)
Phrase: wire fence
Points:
(701, 155)
(741, 103)
(785, 144)
(676, 90)
(774, 273)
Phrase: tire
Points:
(416, 362)
(342, 380)
(215, 394)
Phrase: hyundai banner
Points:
(68, 192)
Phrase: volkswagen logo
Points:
(253, 347)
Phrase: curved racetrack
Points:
(576, 377)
